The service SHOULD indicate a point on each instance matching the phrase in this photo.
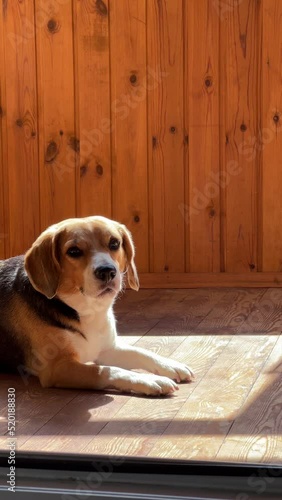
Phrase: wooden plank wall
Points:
(19, 128)
(163, 114)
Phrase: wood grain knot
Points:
(4, 6)
(276, 118)
(136, 218)
(186, 139)
(172, 130)
(83, 170)
(166, 268)
(154, 141)
(53, 26)
(51, 152)
(133, 78)
(252, 266)
(19, 122)
(74, 143)
(33, 133)
(212, 212)
(243, 127)
(99, 169)
(101, 8)
(208, 82)
(61, 132)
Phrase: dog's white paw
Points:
(176, 371)
(153, 385)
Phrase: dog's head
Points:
(87, 256)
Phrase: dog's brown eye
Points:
(114, 244)
(74, 252)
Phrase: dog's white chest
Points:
(99, 334)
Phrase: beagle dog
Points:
(56, 312)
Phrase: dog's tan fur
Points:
(57, 312)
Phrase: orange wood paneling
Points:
(163, 114)
(271, 136)
(202, 124)
(55, 83)
(166, 135)
(3, 238)
(129, 122)
(92, 52)
(240, 115)
(19, 125)
(205, 280)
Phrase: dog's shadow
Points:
(64, 414)
(52, 411)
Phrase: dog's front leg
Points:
(131, 357)
(75, 375)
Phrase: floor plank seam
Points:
(49, 420)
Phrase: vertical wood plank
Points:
(240, 50)
(129, 121)
(3, 238)
(271, 136)
(58, 144)
(166, 135)
(20, 124)
(92, 74)
(202, 114)
(2, 216)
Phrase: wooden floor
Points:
(233, 411)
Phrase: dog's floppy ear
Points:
(42, 266)
(128, 246)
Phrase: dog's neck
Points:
(87, 306)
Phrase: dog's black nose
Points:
(105, 273)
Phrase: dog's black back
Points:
(11, 348)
